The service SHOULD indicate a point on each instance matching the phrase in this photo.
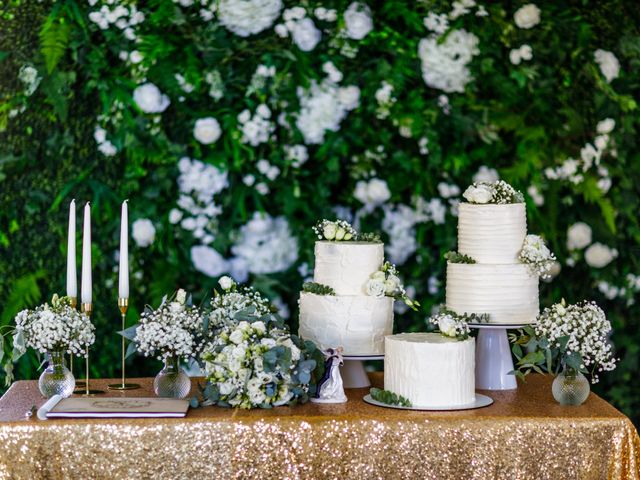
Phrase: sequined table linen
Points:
(523, 435)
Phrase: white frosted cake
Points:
(430, 370)
(498, 283)
(351, 319)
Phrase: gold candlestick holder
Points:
(74, 303)
(87, 309)
(123, 305)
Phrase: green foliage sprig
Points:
(389, 398)
(455, 257)
(317, 288)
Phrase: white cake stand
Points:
(353, 372)
(493, 357)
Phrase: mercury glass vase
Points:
(570, 387)
(56, 379)
(172, 381)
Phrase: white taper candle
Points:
(85, 293)
(123, 283)
(72, 275)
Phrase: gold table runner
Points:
(523, 435)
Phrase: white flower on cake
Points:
(248, 17)
(527, 16)
(499, 192)
(150, 99)
(578, 236)
(537, 255)
(608, 63)
(599, 255)
(338, 231)
(207, 130)
(450, 324)
(143, 232)
(226, 283)
(358, 22)
(385, 282)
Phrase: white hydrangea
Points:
(207, 130)
(437, 23)
(358, 22)
(527, 16)
(305, 34)
(296, 154)
(373, 193)
(322, 108)
(608, 63)
(599, 255)
(486, 175)
(266, 245)
(150, 99)
(208, 261)
(517, 55)
(398, 223)
(448, 190)
(248, 17)
(444, 65)
(143, 232)
(256, 128)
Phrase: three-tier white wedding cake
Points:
(351, 318)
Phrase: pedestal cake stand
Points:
(353, 372)
(493, 356)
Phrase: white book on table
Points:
(113, 407)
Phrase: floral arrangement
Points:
(338, 231)
(385, 282)
(174, 329)
(450, 324)
(55, 327)
(257, 363)
(498, 192)
(537, 255)
(574, 337)
(317, 288)
(234, 302)
(455, 257)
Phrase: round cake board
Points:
(353, 373)
(480, 402)
(493, 356)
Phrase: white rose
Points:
(375, 288)
(349, 97)
(340, 233)
(379, 275)
(447, 326)
(259, 326)
(236, 336)
(175, 216)
(225, 388)
(514, 56)
(378, 191)
(150, 99)
(390, 287)
(527, 16)
(207, 130)
(357, 19)
(608, 63)
(599, 255)
(305, 34)
(226, 282)
(329, 231)
(268, 342)
(143, 232)
(606, 126)
(478, 194)
(578, 236)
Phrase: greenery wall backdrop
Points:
(233, 125)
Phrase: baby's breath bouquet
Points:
(252, 360)
(537, 256)
(174, 329)
(450, 324)
(573, 338)
(54, 327)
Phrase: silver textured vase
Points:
(56, 379)
(172, 381)
(570, 387)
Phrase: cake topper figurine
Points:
(330, 388)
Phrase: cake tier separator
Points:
(493, 356)
(353, 373)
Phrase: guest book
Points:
(113, 407)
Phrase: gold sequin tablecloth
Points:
(523, 435)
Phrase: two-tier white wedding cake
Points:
(496, 270)
(350, 319)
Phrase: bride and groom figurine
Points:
(330, 387)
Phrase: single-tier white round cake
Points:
(430, 370)
(491, 233)
(508, 293)
(357, 323)
(347, 266)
